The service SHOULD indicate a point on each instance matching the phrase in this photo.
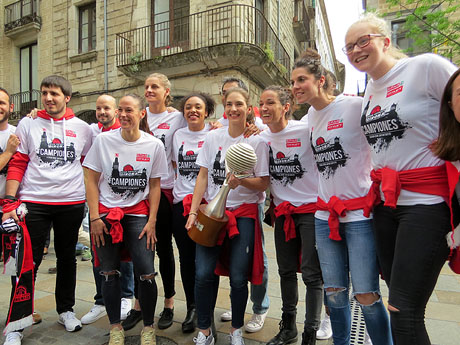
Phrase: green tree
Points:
(440, 18)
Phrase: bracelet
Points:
(10, 197)
(194, 213)
(93, 220)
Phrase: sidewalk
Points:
(443, 312)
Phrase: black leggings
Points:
(412, 249)
(186, 248)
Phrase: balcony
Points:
(228, 37)
(24, 102)
(301, 21)
(22, 17)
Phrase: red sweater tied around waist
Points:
(429, 180)
(286, 209)
(338, 208)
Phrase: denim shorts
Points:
(354, 255)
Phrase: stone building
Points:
(396, 15)
(112, 45)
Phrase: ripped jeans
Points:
(109, 257)
(354, 255)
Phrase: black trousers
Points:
(412, 249)
(66, 220)
(186, 248)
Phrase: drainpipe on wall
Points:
(106, 72)
(278, 29)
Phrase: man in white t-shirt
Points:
(107, 117)
(9, 142)
(46, 174)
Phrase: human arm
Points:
(200, 187)
(97, 226)
(214, 125)
(259, 184)
(11, 147)
(154, 200)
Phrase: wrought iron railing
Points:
(24, 102)
(22, 12)
(239, 24)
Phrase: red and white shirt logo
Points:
(334, 124)
(164, 125)
(293, 143)
(142, 157)
(394, 89)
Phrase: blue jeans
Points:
(354, 255)
(240, 255)
(109, 255)
(259, 293)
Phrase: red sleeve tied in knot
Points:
(286, 209)
(116, 230)
(428, 180)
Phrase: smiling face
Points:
(271, 110)
(236, 108)
(129, 113)
(369, 59)
(455, 101)
(106, 110)
(195, 112)
(305, 87)
(5, 107)
(54, 101)
(154, 91)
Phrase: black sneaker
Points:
(166, 318)
(134, 316)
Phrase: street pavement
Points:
(442, 315)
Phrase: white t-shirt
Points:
(54, 173)
(212, 157)
(400, 117)
(4, 136)
(293, 174)
(163, 126)
(125, 167)
(186, 145)
(341, 153)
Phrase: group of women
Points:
(358, 189)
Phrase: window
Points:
(409, 45)
(28, 78)
(87, 28)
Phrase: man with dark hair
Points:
(46, 175)
(8, 142)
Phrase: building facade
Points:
(111, 46)
(396, 16)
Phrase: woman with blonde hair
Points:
(400, 120)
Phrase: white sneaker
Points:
(256, 323)
(69, 321)
(13, 338)
(125, 308)
(201, 339)
(325, 330)
(96, 312)
(236, 338)
(226, 316)
(367, 339)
